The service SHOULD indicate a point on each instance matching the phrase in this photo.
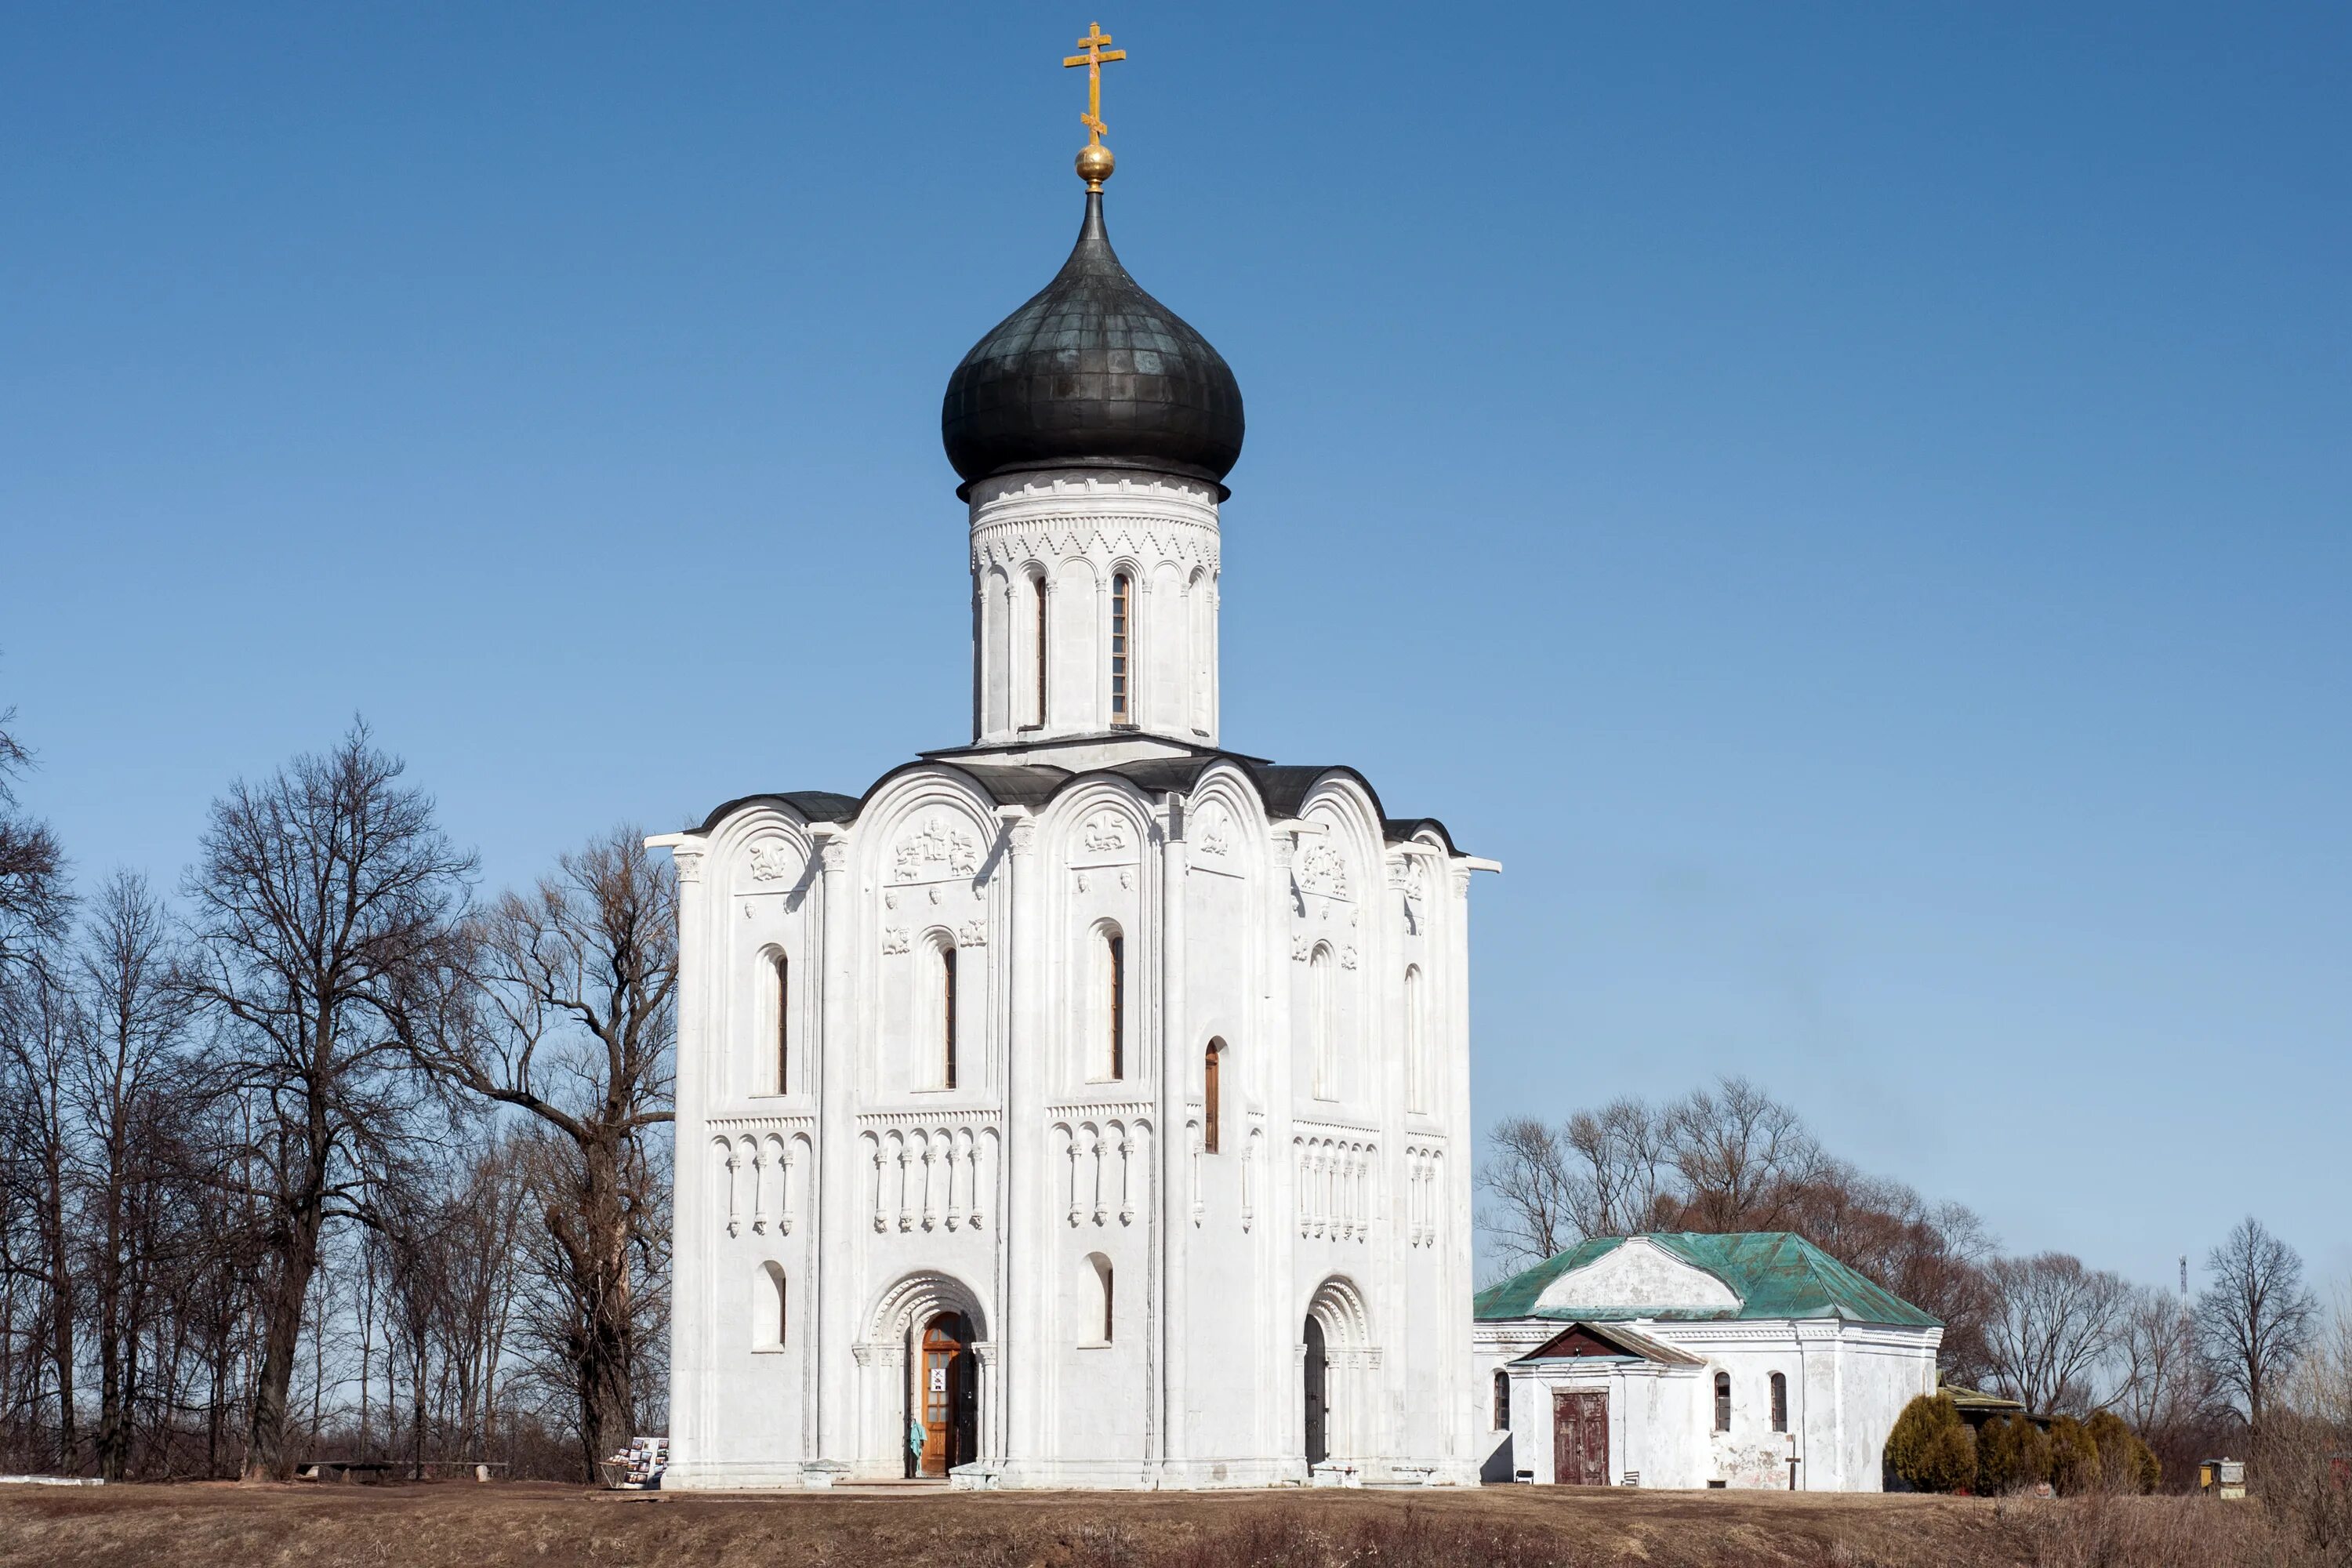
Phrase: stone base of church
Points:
(1068, 1475)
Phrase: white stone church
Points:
(1086, 1105)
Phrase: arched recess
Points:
(771, 1307)
(1097, 1319)
(1416, 1040)
(1336, 1341)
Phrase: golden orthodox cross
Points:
(1093, 61)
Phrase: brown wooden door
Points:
(947, 1393)
(1580, 1438)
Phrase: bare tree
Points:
(2054, 1322)
(323, 903)
(36, 1053)
(2164, 1390)
(1527, 1179)
(1624, 1168)
(2255, 1319)
(574, 1029)
(34, 902)
(1932, 1255)
(1738, 1152)
(125, 1086)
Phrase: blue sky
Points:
(1851, 504)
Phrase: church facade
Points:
(1086, 1104)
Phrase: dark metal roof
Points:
(1282, 789)
(1093, 372)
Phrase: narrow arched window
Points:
(1114, 1005)
(1417, 1046)
(1723, 1402)
(1122, 590)
(1502, 1400)
(1779, 1403)
(783, 1041)
(1107, 1302)
(1210, 1115)
(1319, 1026)
(1037, 717)
(947, 1017)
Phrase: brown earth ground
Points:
(460, 1525)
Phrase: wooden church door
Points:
(949, 1396)
(1580, 1438)
(1317, 1381)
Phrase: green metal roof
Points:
(1775, 1274)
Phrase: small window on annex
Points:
(1779, 1403)
(1723, 1402)
(1502, 1401)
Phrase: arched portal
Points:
(943, 1403)
(1338, 1372)
(925, 1322)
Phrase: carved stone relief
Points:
(935, 848)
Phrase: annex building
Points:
(1750, 1359)
(1083, 1103)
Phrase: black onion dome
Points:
(1093, 372)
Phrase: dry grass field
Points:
(464, 1526)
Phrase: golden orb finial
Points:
(1095, 162)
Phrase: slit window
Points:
(1502, 1401)
(783, 1002)
(1723, 1402)
(1114, 1005)
(1122, 589)
(948, 1017)
(1779, 1403)
(1038, 716)
(1210, 1116)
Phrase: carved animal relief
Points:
(935, 850)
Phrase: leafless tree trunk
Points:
(2256, 1318)
(1526, 1181)
(324, 902)
(37, 1049)
(2054, 1322)
(575, 1025)
(1739, 1151)
(122, 1087)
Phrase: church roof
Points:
(1775, 1274)
(1282, 789)
(1092, 372)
